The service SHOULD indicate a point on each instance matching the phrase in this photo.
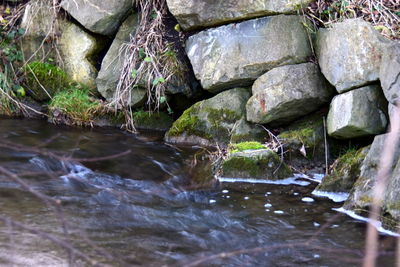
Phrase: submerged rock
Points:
(237, 54)
(210, 121)
(153, 121)
(360, 112)
(257, 164)
(77, 48)
(193, 14)
(345, 171)
(286, 93)
(102, 17)
(350, 53)
(390, 73)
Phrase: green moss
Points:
(152, 120)
(249, 166)
(190, 124)
(42, 77)
(346, 171)
(74, 106)
(252, 145)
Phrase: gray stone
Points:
(193, 14)
(40, 23)
(245, 131)
(350, 53)
(210, 122)
(102, 17)
(256, 164)
(112, 64)
(360, 112)
(344, 172)
(77, 47)
(390, 73)
(362, 194)
(286, 93)
(237, 54)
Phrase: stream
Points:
(142, 208)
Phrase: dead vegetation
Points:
(384, 15)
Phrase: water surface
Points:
(144, 208)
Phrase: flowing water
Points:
(142, 208)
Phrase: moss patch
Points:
(43, 75)
(345, 172)
(74, 106)
(245, 146)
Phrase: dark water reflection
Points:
(136, 207)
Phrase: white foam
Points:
(278, 212)
(212, 201)
(246, 198)
(376, 224)
(287, 181)
(268, 205)
(307, 199)
(334, 196)
(225, 191)
(316, 224)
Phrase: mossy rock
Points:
(307, 134)
(157, 121)
(345, 171)
(44, 80)
(255, 164)
(210, 122)
(243, 146)
(245, 131)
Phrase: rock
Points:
(244, 131)
(304, 139)
(286, 93)
(77, 48)
(344, 172)
(350, 53)
(210, 121)
(237, 54)
(361, 195)
(192, 14)
(152, 121)
(390, 73)
(102, 17)
(392, 112)
(41, 24)
(360, 112)
(256, 164)
(112, 64)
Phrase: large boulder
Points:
(237, 54)
(78, 47)
(193, 14)
(360, 112)
(390, 73)
(362, 194)
(286, 93)
(210, 121)
(245, 131)
(350, 53)
(256, 164)
(102, 17)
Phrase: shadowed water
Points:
(140, 208)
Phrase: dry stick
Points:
(385, 166)
(326, 147)
(279, 143)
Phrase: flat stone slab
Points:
(192, 14)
